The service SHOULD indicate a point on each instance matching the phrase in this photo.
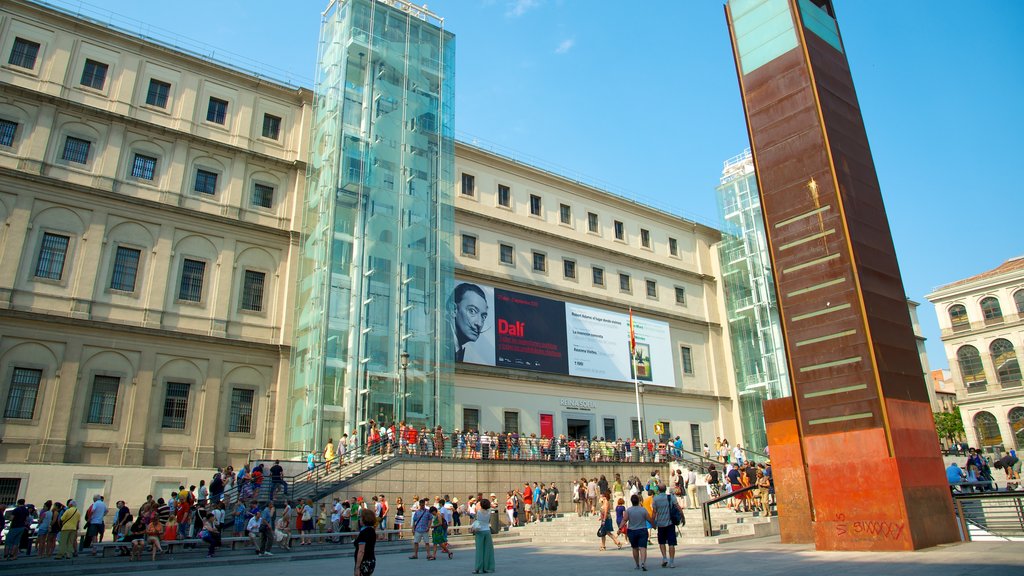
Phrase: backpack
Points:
(674, 513)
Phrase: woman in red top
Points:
(414, 437)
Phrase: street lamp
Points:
(405, 375)
(643, 409)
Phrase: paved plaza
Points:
(763, 556)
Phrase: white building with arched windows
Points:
(982, 321)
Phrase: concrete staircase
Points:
(727, 526)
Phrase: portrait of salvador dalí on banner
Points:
(471, 319)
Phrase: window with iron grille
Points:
(534, 204)
(21, 398)
(143, 167)
(240, 419)
(52, 254)
(94, 74)
(504, 196)
(7, 131)
(470, 419)
(262, 195)
(76, 150)
(206, 182)
(511, 422)
(10, 489)
(271, 126)
(176, 405)
(217, 111)
(158, 93)
(24, 53)
(686, 354)
(468, 185)
(191, 287)
(103, 400)
(252, 291)
(126, 269)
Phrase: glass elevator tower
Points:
(375, 250)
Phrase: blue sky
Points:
(642, 98)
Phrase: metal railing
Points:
(999, 514)
(705, 508)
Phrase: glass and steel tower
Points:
(375, 249)
(758, 355)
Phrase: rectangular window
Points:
(158, 93)
(271, 126)
(592, 222)
(624, 283)
(680, 295)
(504, 196)
(506, 254)
(10, 488)
(217, 111)
(673, 247)
(262, 195)
(540, 262)
(609, 428)
(468, 185)
(21, 398)
(143, 167)
(470, 419)
(468, 245)
(652, 289)
(206, 182)
(176, 405)
(240, 419)
(24, 53)
(252, 290)
(598, 276)
(94, 74)
(534, 204)
(103, 400)
(52, 254)
(620, 231)
(191, 288)
(687, 358)
(695, 437)
(126, 269)
(569, 269)
(511, 422)
(645, 238)
(76, 150)
(7, 131)
(564, 214)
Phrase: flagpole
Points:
(636, 378)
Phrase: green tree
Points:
(949, 425)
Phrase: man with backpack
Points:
(664, 520)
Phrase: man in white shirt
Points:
(94, 531)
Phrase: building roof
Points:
(1012, 265)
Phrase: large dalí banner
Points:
(496, 327)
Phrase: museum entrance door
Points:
(577, 428)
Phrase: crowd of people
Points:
(976, 475)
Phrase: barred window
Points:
(206, 182)
(191, 287)
(24, 53)
(158, 93)
(262, 195)
(240, 419)
(94, 74)
(217, 111)
(511, 422)
(52, 254)
(126, 269)
(103, 400)
(252, 291)
(143, 167)
(76, 150)
(271, 126)
(21, 398)
(7, 131)
(686, 354)
(176, 405)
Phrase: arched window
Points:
(990, 309)
(1004, 359)
(958, 316)
(1016, 418)
(1018, 298)
(971, 369)
(987, 429)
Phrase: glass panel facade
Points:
(755, 332)
(376, 248)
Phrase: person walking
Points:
(481, 529)
(366, 559)
(329, 455)
(637, 518)
(663, 504)
(420, 529)
(606, 528)
(69, 522)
